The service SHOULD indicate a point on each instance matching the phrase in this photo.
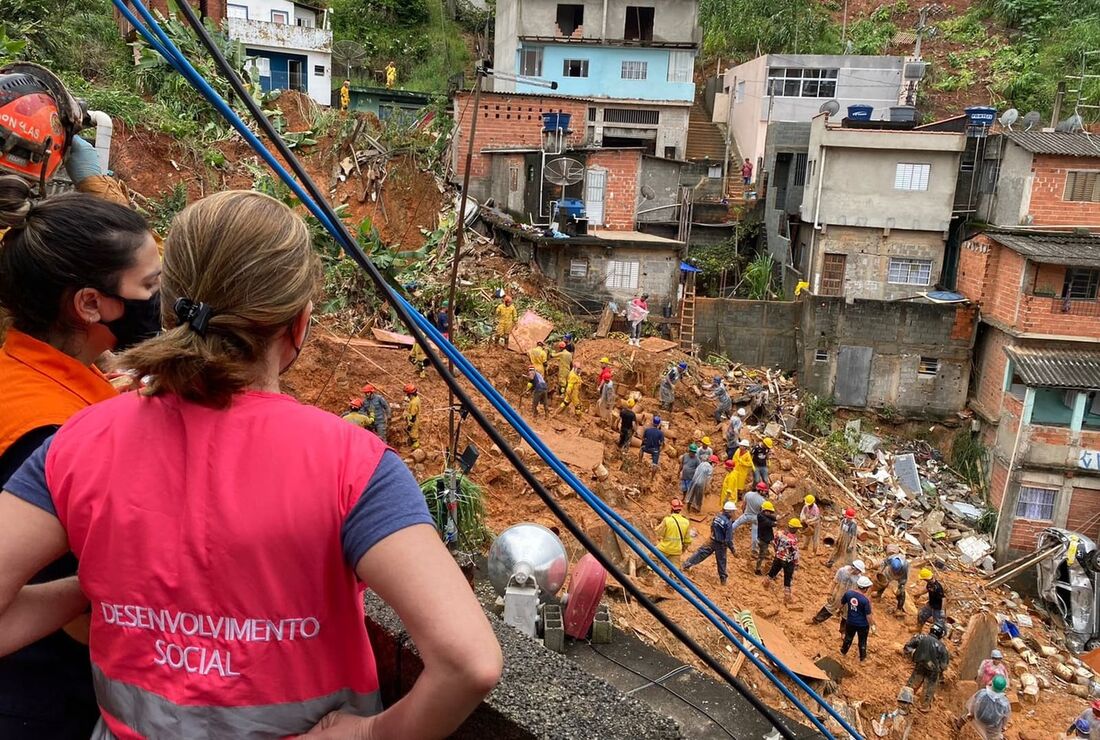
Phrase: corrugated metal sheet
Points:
(1056, 142)
(1059, 249)
(1056, 368)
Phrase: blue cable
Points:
(170, 52)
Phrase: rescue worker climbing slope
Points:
(249, 513)
(930, 659)
(572, 396)
(721, 540)
(412, 416)
(506, 320)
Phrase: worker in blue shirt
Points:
(653, 439)
(721, 539)
(859, 620)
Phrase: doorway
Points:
(595, 186)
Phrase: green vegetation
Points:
(837, 451)
(872, 35)
(969, 458)
(472, 532)
(817, 414)
(747, 28)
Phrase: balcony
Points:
(1053, 316)
(279, 35)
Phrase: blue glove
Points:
(82, 160)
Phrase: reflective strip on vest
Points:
(152, 715)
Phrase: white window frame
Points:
(280, 13)
(318, 70)
(526, 69)
(802, 82)
(909, 271)
(233, 10)
(634, 70)
(623, 274)
(821, 355)
(305, 22)
(263, 66)
(565, 68)
(681, 66)
(1035, 501)
(912, 176)
(928, 367)
(578, 268)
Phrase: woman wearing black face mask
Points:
(78, 276)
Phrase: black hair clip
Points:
(195, 314)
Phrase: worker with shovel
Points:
(786, 558)
(412, 415)
(846, 579)
(894, 570)
(847, 541)
(721, 539)
(930, 659)
(675, 532)
(506, 320)
(536, 386)
(988, 711)
(377, 410)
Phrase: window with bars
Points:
(530, 62)
(1081, 283)
(681, 65)
(635, 70)
(318, 70)
(578, 268)
(928, 366)
(909, 176)
(907, 271)
(623, 274)
(800, 168)
(575, 68)
(1036, 503)
(796, 82)
(1082, 185)
(821, 355)
(632, 116)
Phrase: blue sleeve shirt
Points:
(859, 608)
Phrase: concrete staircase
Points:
(705, 140)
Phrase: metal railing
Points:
(1075, 306)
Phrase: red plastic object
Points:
(586, 587)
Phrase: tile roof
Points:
(1057, 142)
(1059, 248)
(1056, 368)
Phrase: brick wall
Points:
(1025, 532)
(990, 362)
(1048, 205)
(977, 260)
(1045, 315)
(1083, 508)
(997, 475)
(621, 194)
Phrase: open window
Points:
(639, 24)
(570, 18)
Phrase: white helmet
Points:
(741, 412)
(864, 582)
(859, 565)
(729, 506)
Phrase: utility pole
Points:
(922, 29)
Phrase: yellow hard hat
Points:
(630, 403)
(795, 523)
(809, 500)
(925, 574)
(605, 361)
(706, 441)
(769, 442)
(767, 506)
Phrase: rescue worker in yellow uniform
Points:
(412, 415)
(538, 357)
(675, 533)
(565, 364)
(731, 484)
(419, 359)
(391, 75)
(355, 414)
(572, 396)
(345, 96)
(506, 319)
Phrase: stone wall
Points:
(867, 258)
(759, 333)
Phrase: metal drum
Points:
(532, 550)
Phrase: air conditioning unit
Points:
(914, 70)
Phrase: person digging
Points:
(846, 579)
(765, 531)
(721, 539)
(355, 414)
(894, 571)
(785, 560)
(536, 386)
(930, 659)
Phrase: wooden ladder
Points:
(687, 315)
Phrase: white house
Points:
(291, 43)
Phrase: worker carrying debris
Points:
(991, 667)
(847, 540)
(894, 570)
(754, 502)
(377, 410)
(675, 532)
(564, 358)
(786, 558)
(933, 609)
(412, 415)
(730, 490)
(628, 420)
(355, 414)
(506, 320)
(637, 311)
(858, 619)
(700, 479)
(988, 711)
(721, 540)
(722, 399)
(811, 521)
(846, 579)
(733, 431)
(689, 461)
(536, 386)
(419, 359)
(572, 395)
(761, 452)
(538, 357)
(766, 522)
(653, 440)
(1088, 724)
(666, 391)
(930, 659)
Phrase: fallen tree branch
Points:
(813, 458)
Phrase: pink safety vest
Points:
(209, 547)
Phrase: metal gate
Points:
(853, 376)
(595, 185)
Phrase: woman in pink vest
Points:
(224, 530)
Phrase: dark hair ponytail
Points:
(57, 246)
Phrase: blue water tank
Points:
(981, 115)
(555, 121)
(571, 207)
(860, 112)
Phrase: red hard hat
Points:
(729, 464)
(676, 504)
(38, 118)
(714, 458)
(356, 403)
(561, 345)
(410, 388)
(850, 513)
(1095, 706)
(507, 299)
(368, 388)
(761, 486)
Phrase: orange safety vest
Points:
(41, 386)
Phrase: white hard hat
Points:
(863, 582)
(744, 443)
(741, 412)
(859, 565)
(729, 506)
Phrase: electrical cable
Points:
(417, 324)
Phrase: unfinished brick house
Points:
(1037, 390)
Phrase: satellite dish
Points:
(1031, 120)
(648, 193)
(1072, 125)
(1009, 117)
(831, 107)
(563, 171)
(347, 56)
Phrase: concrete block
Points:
(553, 628)
(602, 628)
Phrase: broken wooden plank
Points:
(656, 344)
(392, 337)
(775, 639)
(529, 330)
(606, 319)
